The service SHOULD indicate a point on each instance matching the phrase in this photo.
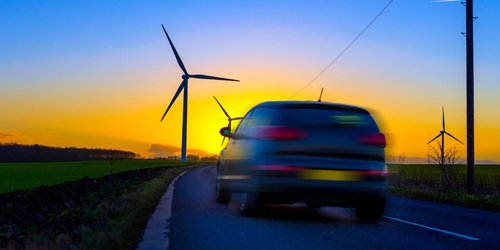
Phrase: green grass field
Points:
(480, 171)
(30, 175)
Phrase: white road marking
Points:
(432, 228)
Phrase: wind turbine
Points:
(442, 133)
(228, 118)
(184, 86)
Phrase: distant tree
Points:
(447, 165)
(12, 152)
(209, 158)
(192, 157)
(400, 173)
(173, 158)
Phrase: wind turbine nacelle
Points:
(185, 77)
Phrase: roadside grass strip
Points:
(120, 222)
(156, 233)
(432, 228)
(125, 228)
(413, 169)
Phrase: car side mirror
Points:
(226, 132)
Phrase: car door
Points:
(233, 153)
(246, 144)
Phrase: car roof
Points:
(298, 104)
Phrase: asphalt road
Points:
(198, 222)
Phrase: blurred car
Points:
(320, 153)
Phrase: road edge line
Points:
(432, 228)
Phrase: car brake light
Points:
(277, 168)
(279, 133)
(377, 139)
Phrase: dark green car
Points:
(323, 154)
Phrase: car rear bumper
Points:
(284, 190)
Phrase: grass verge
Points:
(120, 221)
(489, 203)
(482, 172)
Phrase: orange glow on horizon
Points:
(136, 131)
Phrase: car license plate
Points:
(330, 175)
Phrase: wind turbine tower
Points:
(184, 86)
(442, 133)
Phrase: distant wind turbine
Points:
(228, 118)
(184, 85)
(442, 133)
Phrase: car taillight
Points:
(277, 168)
(377, 139)
(279, 133)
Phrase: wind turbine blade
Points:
(179, 61)
(183, 84)
(453, 137)
(319, 100)
(223, 141)
(222, 108)
(435, 138)
(237, 118)
(212, 78)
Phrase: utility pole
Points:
(470, 97)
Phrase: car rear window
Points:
(323, 117)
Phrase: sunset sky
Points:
(101, 74)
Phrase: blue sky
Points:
(72, 70)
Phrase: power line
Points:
(348, 46)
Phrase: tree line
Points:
(189, 157)
(13, 152)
